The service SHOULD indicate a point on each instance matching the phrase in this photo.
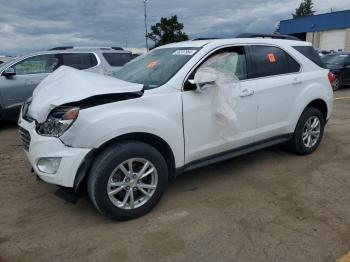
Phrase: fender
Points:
(159, 115)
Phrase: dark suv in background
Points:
(339, 64)
(20, 76)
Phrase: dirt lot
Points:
(267, 206)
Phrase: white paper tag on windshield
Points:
(184, 52)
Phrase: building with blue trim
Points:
(330, 31)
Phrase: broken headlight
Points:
(59, 120)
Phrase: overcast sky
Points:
(40, 24)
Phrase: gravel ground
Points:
(270, 205)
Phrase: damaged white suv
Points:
(181, 106)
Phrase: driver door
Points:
(29, 73)
(205, 135)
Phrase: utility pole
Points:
(145, 5)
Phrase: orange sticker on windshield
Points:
(152, 64)
(271, 57)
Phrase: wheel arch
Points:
(321, 105)
(153, 140)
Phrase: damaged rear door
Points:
(221, 116)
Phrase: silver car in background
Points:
(20, 76)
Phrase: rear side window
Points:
(269, 61)
(310, 53)
(117, 59)
(79, 60)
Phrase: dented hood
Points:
(67, 85)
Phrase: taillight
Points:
(331, 78)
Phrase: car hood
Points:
(67, 85)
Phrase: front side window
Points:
(270, 61)
(79, 60)
(117, 59)
(230, 61)
(157, 67)
(37, 65)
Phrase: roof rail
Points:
(117, 48)
(205, 38)
(61, 48)
(86, 47)
(274, 36)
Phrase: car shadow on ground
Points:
(7, 124)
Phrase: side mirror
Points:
(203, 78)
(9, 72)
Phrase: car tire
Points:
(308, 132)
(337, 83)
(118, 167)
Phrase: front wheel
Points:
(127, 180)
(308, 132)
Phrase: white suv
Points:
(180, 107)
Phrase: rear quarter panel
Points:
(315, 86)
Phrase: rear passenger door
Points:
(278, 83)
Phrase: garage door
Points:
(333, 40)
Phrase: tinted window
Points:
(269, 61)
(117, 59)
(37, 65)
(79, 60)
(310, 53)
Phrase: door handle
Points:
(246, 92)
(296, 82)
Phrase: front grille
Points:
(25, 137)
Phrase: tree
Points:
(167, 31)
(305, 9)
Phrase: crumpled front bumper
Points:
(37, 146)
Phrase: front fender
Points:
(98, 125)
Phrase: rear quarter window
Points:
(311, 54)
(117, 59)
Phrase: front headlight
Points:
(59, 120)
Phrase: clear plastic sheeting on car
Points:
(218, 73)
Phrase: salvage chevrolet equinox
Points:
(180, 107)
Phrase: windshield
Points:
(157, 67)
(334, 59)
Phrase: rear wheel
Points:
(308, 132)
(127, 180)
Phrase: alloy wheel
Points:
(132, 183)
(311, 131)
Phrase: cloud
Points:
(41, 24)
